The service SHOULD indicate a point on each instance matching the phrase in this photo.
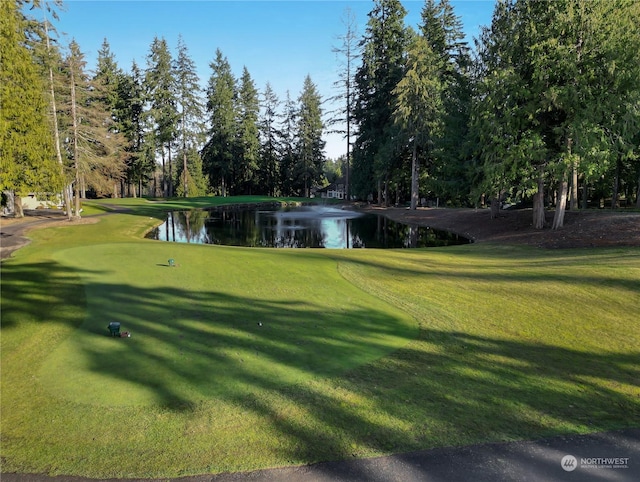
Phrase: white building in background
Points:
(30, 201)
(335, 190)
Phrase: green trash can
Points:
(114, 328)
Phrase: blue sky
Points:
(279, 42)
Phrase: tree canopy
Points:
(543, 111)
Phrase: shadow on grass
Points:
(443, 388)
(187, 346)
(488, 263)
(466, 390)
(43, 292)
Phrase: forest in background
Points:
(543, 111)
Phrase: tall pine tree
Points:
(348, 52)
(384, 44)
(419, 106)
(269, 158)
(248, 140)
(192, 129)
(217, 154)
(449, 174)
(162, 114)
(308, 168)
(129, 111)
(96, 147)
(557, 82)
(27, 160)
(288, 139)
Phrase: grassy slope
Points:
(512, 343)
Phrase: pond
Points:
(301, 227)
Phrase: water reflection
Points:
(310, 227)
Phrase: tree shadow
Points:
(42, 292)
(214, 344)
(361, 385)
(445, 387)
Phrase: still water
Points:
(305, 227)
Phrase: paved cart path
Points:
(599, 457)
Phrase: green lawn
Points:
(247, 358)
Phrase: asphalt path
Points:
(12, 233)
(599, 457)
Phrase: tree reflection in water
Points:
(309, 227)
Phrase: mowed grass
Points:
(359, 353)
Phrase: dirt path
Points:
(582, 229)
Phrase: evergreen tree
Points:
(333, 169)
(288, 140)
(419, 109)
(107, 75)
(308, 168)
(248, 141)
(191, 111)
(195, 179)
(558, 79)
(268, 160)
(95, 145)
(449, 159)
(51, 60)
(376, 151)
(163, 114)
(217, 154)
(129, 112)
(105, 95)
(509, 144)
(27, 161)
(349, 52)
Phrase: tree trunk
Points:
(170, 171)
(185, 176)
(77, 199)
(380, 192)
(415, 184)
(561, 204)
(538, 205)
(616, 184)
(17, 205)
(495, 207)
(164, 176)
(573, 205)
(385, 193)
(585, 194)
(347, 188)
(76, 150)
(638, 194)
(56, 133)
